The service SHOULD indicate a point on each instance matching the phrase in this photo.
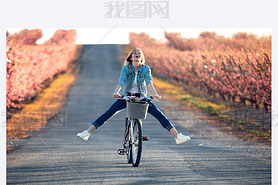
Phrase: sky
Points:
(120, 35)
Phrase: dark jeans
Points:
(120, 104)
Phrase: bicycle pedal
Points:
(145, 138)
(121, 151)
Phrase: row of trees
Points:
(29, 65)
(233, 68)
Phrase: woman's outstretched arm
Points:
(116, 94)
(153, 91)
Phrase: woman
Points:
(134, 80)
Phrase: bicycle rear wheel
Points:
(136, 142)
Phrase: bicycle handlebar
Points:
(148, 97)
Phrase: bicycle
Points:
(133, 131)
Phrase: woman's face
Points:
(136, 55)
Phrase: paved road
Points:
(56, 156)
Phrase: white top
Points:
(134, 86)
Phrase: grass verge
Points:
(231, 116)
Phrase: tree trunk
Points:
(242, 100)
(257, 106)
(223, 96)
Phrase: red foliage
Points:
(25, 37)
(238, 67)
(30, 64)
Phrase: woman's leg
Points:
(118, 105)
(153, 110)
(164, 121)
(174, 132)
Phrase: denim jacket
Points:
(144, 77)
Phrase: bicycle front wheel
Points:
(136, 145)
(128, 123)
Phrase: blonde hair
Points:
(128, 58)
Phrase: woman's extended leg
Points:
(164, 121)
(118, 105)
(114, 109)
(153, 110)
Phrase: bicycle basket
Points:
(137, 110)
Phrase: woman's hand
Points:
(117, 95)
(156, 96)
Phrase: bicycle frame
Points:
(133, 140)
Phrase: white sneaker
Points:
(84, 135)
(182, 138)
